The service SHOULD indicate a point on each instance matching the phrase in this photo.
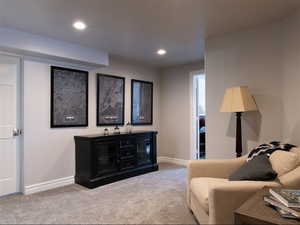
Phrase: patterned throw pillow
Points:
(268, 149)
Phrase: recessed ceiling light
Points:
(79, 25)
(161, 52)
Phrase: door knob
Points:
(17, 132)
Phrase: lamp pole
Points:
(238, 144)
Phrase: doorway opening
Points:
(198, 116)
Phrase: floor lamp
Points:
(238, 99)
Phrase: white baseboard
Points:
(164, 159)
(31, 189)
(48, 185)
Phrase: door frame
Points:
(193, 126)
(20, 121)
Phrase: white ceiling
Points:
(135, 29)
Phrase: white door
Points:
(9, 74)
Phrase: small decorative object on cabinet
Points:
(104, 159)
(128, 127)
(110, 100)
(106, 132)
(117, 130)
(141, 102)
(69, 97)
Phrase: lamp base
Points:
(238, 143)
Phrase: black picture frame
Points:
(149, 119)
(57, 120)
(121, 112)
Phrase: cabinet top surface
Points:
(91, 136)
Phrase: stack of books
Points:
(285, 201)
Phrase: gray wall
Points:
(267, 60)
(49, 153)
(175, 111)
(291, 80)
(252, 58)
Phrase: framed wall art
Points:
(110, 100)
(141, 102)
(69, 97)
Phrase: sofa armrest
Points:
(223, 200)
(211, 168)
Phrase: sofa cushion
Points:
(297, 151)
(283, 162)
(201, 186)
(257, 169)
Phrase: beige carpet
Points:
(154, 198)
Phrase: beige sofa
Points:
(213, 199)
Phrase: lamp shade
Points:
(238, 99)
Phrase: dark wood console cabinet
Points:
(104, 159)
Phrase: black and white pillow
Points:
(268, 149)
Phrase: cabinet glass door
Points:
(144, 155)
(105, 157)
